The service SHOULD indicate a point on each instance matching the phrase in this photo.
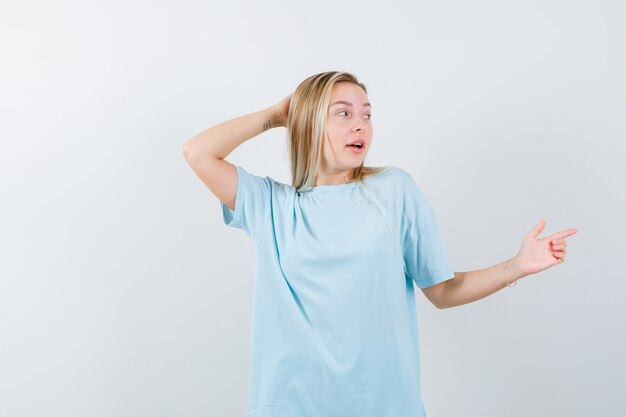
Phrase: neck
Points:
(327, 178)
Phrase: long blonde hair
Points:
(306, 125)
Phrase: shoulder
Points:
(411, 194)
(397, 178)
(278, 187)
(388, 173)
(262, 183)
(398, 187)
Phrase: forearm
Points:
(220, 140)
(470, 286)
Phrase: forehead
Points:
(348, 91)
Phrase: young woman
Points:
(338, 252)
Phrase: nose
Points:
(358, 126)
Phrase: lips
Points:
(354, 148)
(359, 144)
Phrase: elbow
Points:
(439, 304)
(190, 153)
(437, 295)
(194, 153)
(187, 150)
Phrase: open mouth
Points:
(356, 148)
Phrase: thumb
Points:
(537, 229)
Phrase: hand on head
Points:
(280, 111)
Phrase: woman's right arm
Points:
(206, 151)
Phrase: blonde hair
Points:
(306, 126)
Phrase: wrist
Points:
(273, 118)
(514, 270)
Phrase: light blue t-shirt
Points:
(334, 324)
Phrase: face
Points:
(348, 120)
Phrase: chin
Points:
(354, 165)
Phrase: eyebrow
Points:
(347, 103)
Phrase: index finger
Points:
(564, 233)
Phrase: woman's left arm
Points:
(535, 255)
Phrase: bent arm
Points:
(206, 151)
(220, 140)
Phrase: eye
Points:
(367, 116)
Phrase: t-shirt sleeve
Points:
(252, 202)
(424, 253)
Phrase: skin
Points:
(534, 255)
(347, 122)
(348, 119)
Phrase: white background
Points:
(122, 293)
